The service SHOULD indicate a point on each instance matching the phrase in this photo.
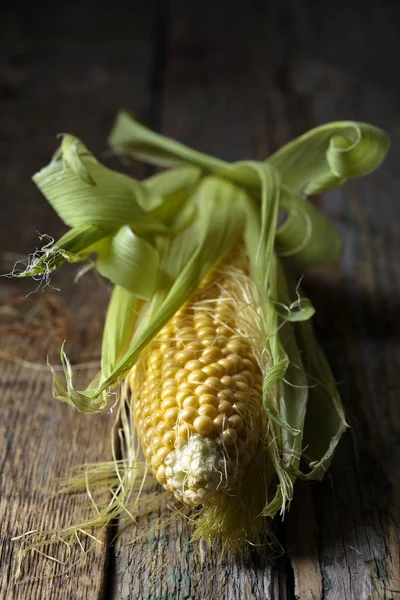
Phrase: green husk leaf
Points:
(328, 155)
(119, 328)
(81, 240)
(89, 194)
(285, 386)
(86, 403)
(129, 261)
(72, 152)
(262, 261)
(176, 187)
(118, 332)
(259, 237)
(325, 420)
(131, 137)
(169, 191)
(73, 246)
(289, 396)
(307, 235)
(300, 310)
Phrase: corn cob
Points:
(197, 396)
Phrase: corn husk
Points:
(156, 240)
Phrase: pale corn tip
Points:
(197, 398)
(197, 470)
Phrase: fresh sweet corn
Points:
(197, 397)
(232, 399)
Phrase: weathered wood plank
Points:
(40, 440)
(358, 528)
(63, 68)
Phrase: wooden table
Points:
(236, 80)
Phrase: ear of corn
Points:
(197, 397)
(215, 342)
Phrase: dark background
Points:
(187, 67)
(237, 80)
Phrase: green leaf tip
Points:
(73, 151)
(84, 402)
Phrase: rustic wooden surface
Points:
(237, 80)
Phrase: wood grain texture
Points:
(167, 564)
(62, 68)
(237, 80)
(40, 441)
(356, 507)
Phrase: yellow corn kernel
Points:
(197, 408)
